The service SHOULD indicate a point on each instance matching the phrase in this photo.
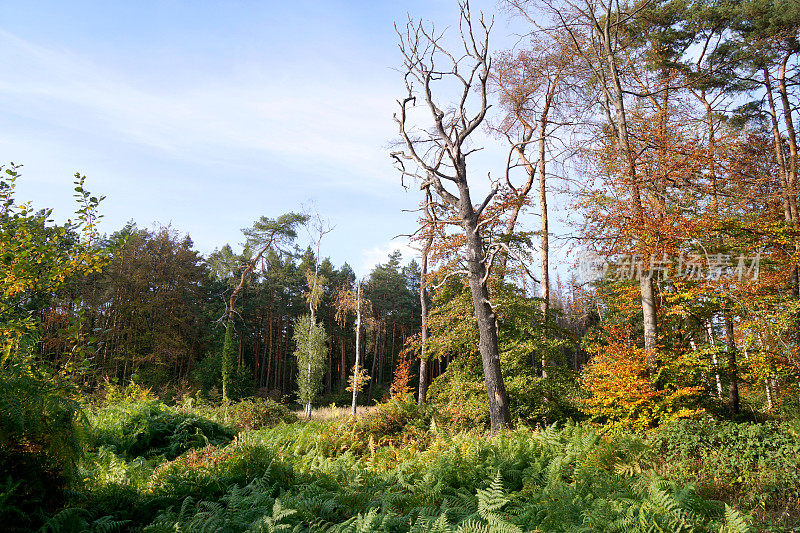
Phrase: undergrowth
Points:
(146, 427)
(753, 465)
(393, 471)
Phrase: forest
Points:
(649, 382)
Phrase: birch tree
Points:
(428, 234)
(349, 301)
(310, 343)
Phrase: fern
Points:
(108, 524)
(75, 519)
(275, 522)
(71, 519)
(735, 522)
(367, 523)
(311, 475)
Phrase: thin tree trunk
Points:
(280, 369)
(649, 319)
(392, 352)
(263, 378)
(257, 363)
(789, 206)
(733, 375)
(343, 367)
(329, 374)
(791, 168)
(769, 394)
(545, 273)
(373, 376)
(270, 350)
(790, 131)
(712, 341)
(358, 352)
(621, 127)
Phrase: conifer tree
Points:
(265, 234)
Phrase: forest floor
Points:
(256, 467)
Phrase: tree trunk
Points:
(358, 352)
(343, 368)
(373, 376)
(733, 374)
(329, 373)
(649, 318)
(714, 363)
(621, 127)
(791, 167)
(271, 321)
(545, 273)
(769, 394)
(423, 335)
(789, 206)
(487, 330)
(790, 131)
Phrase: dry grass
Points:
(330, 413)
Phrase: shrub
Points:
(254, 413)
(210, 471)
(754, 464)
(459, 395)
(206, 373)
(259, 413)
(398, 420)
(39, 444)
(143, 428)
(621, 392)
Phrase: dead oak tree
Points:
(438, 155)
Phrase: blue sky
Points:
(207, 115)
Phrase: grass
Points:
(335, 413)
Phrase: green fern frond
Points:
(473, 526)
(735, 522)
(71, 519)
(492, 499)
(107, 524)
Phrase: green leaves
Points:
(39, 258)
(275, 232)
(310, 351)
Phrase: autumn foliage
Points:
(402, 372)
(621, 391)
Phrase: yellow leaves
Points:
(37, 257)
(358, 380)
(622, 391)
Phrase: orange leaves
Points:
(402, 375)
(623, 393)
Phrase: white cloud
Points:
(334, 125)
(379, 254)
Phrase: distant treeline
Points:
(153, 313)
